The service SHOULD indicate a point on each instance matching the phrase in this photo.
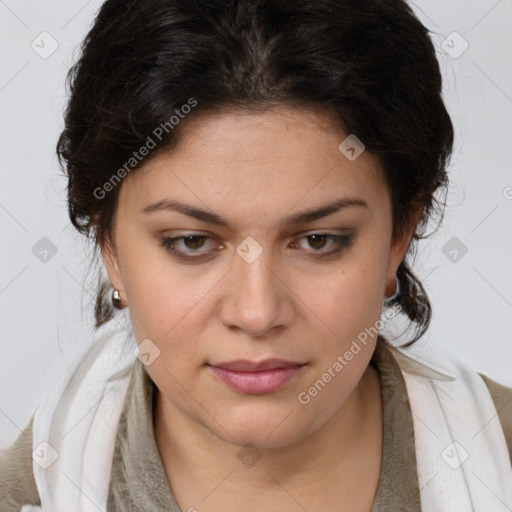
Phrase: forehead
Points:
(276, 156)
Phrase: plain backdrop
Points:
(45, 298)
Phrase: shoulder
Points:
(502, 398)
(17, 484)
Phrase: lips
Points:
(256, 378)
(244, 365)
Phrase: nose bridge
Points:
(255, 288)
(253, 269)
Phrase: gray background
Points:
(45, 305)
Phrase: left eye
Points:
(318, 240)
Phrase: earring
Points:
(388, 300)
(116, 299)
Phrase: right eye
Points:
(189, 244)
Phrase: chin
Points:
(264, 429)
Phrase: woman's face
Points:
(254, 282)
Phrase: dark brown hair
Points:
(370, 63)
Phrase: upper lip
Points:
(243, 365)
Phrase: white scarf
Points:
(79, 416)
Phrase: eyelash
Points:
(342, 242)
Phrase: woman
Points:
(255, 175)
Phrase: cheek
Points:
(350, 307)
(351, 300)
(166, 307)
(168, 303)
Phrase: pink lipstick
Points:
(256, 378)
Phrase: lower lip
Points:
(256, 383)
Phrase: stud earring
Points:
(116, 299)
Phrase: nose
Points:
(257, 300)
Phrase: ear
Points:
(399, 246)
(110, 259)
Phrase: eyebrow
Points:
(297, 218)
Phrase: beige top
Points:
(138, 480)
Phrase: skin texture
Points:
(254, 170)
